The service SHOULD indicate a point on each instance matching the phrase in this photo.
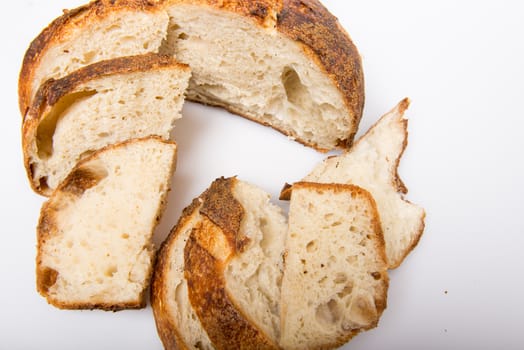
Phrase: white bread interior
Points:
(95, 233)
(372, 164)
(335, 275)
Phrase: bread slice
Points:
(232, 267)
(286, 64)
(372, 164)
(100, 30)
(335, 273)
(177, 324)
(103, 103)
(94, 234)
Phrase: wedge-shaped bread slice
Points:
(232, 269)
(94, 234)
(335, 273)
(101, 104)
(286, 64)
(100, 30)
(177, 324)
(372, 164)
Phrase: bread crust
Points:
(74, 185)
(207, 252)
(306, 22)
(58, 31)
(54, 89)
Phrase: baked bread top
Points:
(286, 64)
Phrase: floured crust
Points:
(211, 245)
(53, 90)
(60, 29)
(77, 182)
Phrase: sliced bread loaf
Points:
(101, 104)
(335, 273)
(372, 164)
(233, 267)
(100, 30)
(286, 64)
(94, 234)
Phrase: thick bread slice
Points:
(101, 104)
(94, 234)
(372, 164)
(233, 266)
(177, 324)
(100, 30)
(287, 64)
(335, 274)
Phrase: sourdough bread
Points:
(233, 265)
(94, 234)
(372, 164)
(335, 274)
(103, 103)
(286, 64)
(100, 30)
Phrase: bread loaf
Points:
(372, 164)
(335, 273)
(286, 64)
(101, 104)
(94, 234)
(233, 266)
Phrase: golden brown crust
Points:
(53, 90)
(323, 39)
(60, 29)
(212, 244)
(48, 227)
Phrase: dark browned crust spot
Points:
(309, 22)
(59, 29)
(82, 179)
(222, 208)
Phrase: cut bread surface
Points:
(372, 164)
(100, 30)
(285, 64)
(335, 274)
(177, 323)
(94, 234)
(101, 104)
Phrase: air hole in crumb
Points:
(328, 313)
(183, 36)
(348, 288)
(104, 134)
(336, 223)
(353, 229)
(340, 278)
(311, 246)
(376, 275)
(125, 236)
(111, 271)
(121, 102)
(159, 97)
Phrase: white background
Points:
(462, 65)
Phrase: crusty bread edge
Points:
(46, 224)
(52, 90)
